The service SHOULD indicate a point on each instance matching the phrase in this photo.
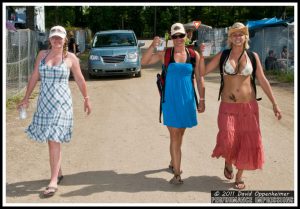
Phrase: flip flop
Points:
(59, 179)
(176, 180)
(227, 171)
(50, 191)
(237, 185)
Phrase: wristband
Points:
(201, 99)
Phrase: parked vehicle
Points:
(115, 52)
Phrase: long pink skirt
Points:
(239, 139)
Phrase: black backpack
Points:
(224, 58)
(161, 77)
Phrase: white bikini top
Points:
(229, 70)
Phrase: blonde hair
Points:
(238, 27)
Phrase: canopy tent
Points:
(267, 22)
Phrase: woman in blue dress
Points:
(179, 107)
(53, 119)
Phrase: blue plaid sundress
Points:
(53, 118)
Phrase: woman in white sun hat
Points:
(53, 119)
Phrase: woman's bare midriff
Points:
(237, 89)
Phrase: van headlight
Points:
(94, 57)
(132, 57)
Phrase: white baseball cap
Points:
(177, 28)
(58, 31)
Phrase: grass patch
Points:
(84, 56)
(281, 76)
(12, 102)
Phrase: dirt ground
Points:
(120, 153)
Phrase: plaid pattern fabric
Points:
(53, 119)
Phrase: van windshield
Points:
(114, 39)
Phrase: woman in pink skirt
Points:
(239, 139)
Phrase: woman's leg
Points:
(176, 136)
(239, 184)
(55, 162)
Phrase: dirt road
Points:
(120, 153)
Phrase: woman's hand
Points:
(201, 106)
(155, 42)
(277, 111)
(87, 106)
(202, 48)
(24, 103)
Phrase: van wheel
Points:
(139, 74)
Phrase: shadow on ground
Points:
(102, 181)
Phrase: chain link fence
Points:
(261, 41)
(21, 50)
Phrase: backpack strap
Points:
(163, 82)
(223, 59)
(192, 58)
(168, 56)
(254, 65)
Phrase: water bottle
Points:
(22, 113)
(161, 46)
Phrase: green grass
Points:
(281, 76)
(12, 102)
(84, 56)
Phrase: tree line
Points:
(147, 21)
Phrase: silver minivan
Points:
(115, 52)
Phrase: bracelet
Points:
(201, 99)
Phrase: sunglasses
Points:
(57, 30)
(178, 36)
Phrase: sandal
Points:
(228, 173)
(239, 185)
(49, 191)
(59, 179)
(176, 180)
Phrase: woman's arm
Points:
(75, 67)
(200, 81)
(149, 57)
(32, 81)
(265, 85)
(213, 64)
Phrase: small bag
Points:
(161, 83)
(160, 80)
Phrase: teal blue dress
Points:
(179, 107)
